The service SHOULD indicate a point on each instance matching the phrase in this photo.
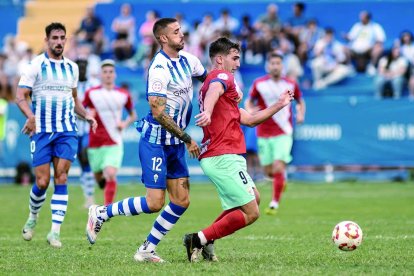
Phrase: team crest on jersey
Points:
(157, 86)
(223, 76)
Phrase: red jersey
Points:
(223, 135)
(267, 92)
(109, 105)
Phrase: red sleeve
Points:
(297, 93)
(253, 93)
(87, 100)
(129, 105)
(230, 82)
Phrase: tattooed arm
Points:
(157, 105)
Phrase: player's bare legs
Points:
(37, 198)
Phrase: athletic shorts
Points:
(105, 156)
(229, 174)
(160, 162)
(45, 146)
(275, 148)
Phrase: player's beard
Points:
(179, 46)
(57, 52)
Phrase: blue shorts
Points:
(45, 146)
(160, 163)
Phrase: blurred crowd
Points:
(316, 56)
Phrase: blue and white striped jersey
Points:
(51, 82)
(170, 78)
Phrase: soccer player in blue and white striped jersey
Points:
(51, 81)
(163, 142)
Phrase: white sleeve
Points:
(353, 33)
(28, 77)
(75, 75)
(196, 66)
(158, 80)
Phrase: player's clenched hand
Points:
(92, 122)
(193, 149)
(286, 97)
(203, 119)
(29, 127)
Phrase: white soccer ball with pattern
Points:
(347, 235)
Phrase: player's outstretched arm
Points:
(157, 105)
(254, 119)
(81, 111)
(22, 94)
(214, 91)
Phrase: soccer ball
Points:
(347, 235)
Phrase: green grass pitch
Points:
(295, 242)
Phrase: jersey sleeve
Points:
(197, 69)
(253, 93)
(87, 100)
(158, 79)
(226, 79)
(297, 94)
(75, 76)
(28, 77)
(129, 104)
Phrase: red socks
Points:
(109, 191)
(278, 185)
(229, 223)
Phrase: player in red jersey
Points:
(223, 144)
(275, 134)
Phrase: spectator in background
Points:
(124, 28)
(4, 79)
(269, 20)
(246, 36)
(3, 121)
(291, 64)
(185, 27)
(206, 33)
(407, 51)
(366, 39)
(147, 47)
(307, 39)
(84, 52)
(296, 22)
(330, 64)
(391, 71)
(92, 30)
(226, 22)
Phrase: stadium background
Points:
(347, 133)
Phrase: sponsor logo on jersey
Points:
(223, 76)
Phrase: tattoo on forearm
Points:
(168, 123)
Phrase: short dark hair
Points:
(222, 45)
(161, 24)
(54, 26)
(301, 6)
(274, 54)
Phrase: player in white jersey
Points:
(51, 81)
(105, 150)
(163, 141)
(87, 179)
(275, 135)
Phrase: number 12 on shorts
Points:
(156, 163)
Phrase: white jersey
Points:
(51, 82)
(171, 78)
